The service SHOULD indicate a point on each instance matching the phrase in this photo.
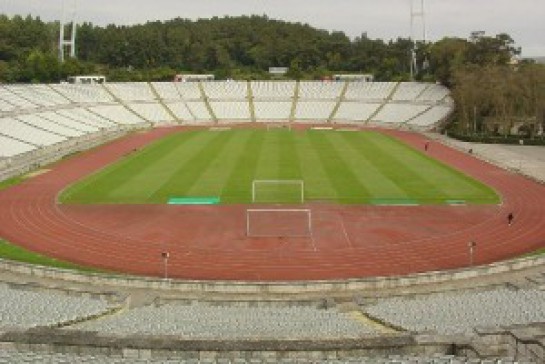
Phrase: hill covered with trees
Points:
(230, 47)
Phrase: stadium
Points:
(264, 221)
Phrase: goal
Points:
(278, 191)
(278, 223)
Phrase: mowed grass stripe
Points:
(213, 181)
(238, 185)
(268, 167)
(448, 184)
(288, 158)
(188, 173)
(360, 156)
(349, 187)
(395, 167)
(98, 187)
(152, 173)
(318, 185)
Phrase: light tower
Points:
(418, 30)
(68, 29)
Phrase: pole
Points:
(165, 256)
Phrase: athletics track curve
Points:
(209, 242)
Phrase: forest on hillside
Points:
(230, 47)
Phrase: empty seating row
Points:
(118, 114)
(409, 91)
(10, 147)
(461, 311)
(167, 91)
(398, 113)
(83, 115)
(18, 130)
(180, 109)
(13, 101)
(231, 110)
(209, 321)
(199, 110)
(272, 110)
(41, 95)
(25, 309)
(84, 93)
(356, 111)
(131, 91)
(226, 90)
(154, 112)
(273, 90)
(40, 121)
(369, 90)
(314, 110)
(319, 90)
(431, 116)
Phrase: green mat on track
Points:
(194, 201)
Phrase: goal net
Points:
(278, 223)
(278, 191)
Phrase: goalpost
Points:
(269, 223)
(278, 191)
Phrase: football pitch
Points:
(363, 167)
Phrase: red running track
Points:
(209, 242)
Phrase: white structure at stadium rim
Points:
(68, 23)
(418, 30)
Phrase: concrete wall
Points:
(520, 343)
(280, 288)
(64, 341)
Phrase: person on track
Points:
(510, 218)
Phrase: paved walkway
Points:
(527, 160)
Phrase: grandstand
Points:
(445, 326)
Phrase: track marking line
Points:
(345, 233)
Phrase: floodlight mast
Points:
(418, 30)
(68, 20)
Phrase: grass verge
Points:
(11, 182)
(534, 254)
(15, 253)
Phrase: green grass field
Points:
(336, 166)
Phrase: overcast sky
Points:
(524, 20)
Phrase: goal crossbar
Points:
(284, 182)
